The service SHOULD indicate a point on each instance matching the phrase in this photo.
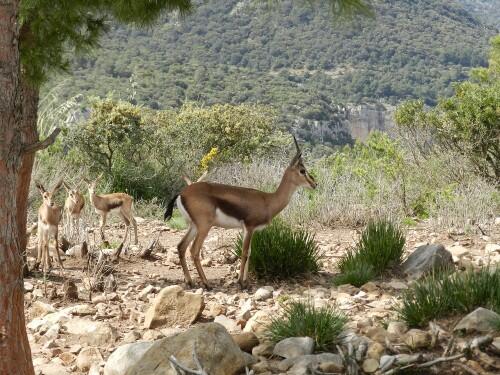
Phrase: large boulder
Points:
(216, 351)
(427, 258)
(480, 320)
(90, 332)
(174, 307)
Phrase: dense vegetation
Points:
(293, 58)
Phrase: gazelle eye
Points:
(302, 171)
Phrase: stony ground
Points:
(59, 328)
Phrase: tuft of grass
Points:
(354, 271)
(324, 325)
(177, 221)
(280, 251)
(445, 294)
(379, 248)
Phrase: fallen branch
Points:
(181, 369)
(40, 145)
(146, 253)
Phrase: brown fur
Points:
(251, 208)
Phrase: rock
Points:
(263, 293)
(427, 258)
(397, 285)
(331, 367)
(294, 347)
(91, 332)
(397, 329)
(206, 262)
(301, 364)
(246, 341)
(496, 343)
(229, 324)
(78, 251)
(51, 369)
(480, 320)
(492, 248)
(152, 335)
(131, 337)
(28, 287)
(258, 323)
(217, 309)
(264, 349)
(417, 339)
(67, 358)
(82, 310)
(347, 288)
(95, 369)
(375, 351)
(39, 309)
(377, 334)
(224, 358)
(370, 365)
(87, 357)
(458, 251)
(143, 295)
(70, 291)
(172, 307)
(370, 286)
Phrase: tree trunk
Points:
(15, 353)
(29, 134)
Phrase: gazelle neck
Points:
(281, 197)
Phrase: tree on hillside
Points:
(36, 36)
(468, 122)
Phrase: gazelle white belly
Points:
(225, 221)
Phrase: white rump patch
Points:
(225, 221)
(183, 210)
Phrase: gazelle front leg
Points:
(245, 257)
(56, 235)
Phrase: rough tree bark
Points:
(15, 353)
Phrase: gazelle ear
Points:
(40, 187)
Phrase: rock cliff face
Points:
(346, 124)
(362, 119)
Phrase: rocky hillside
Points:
(291, 56)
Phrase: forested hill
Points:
(289, 55)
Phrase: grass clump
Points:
(379, 248)
(445, 294)
(280, 251)
(325, 325)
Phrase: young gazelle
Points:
(49, 216)
(110, 203)
(72, 209)
(206, 204)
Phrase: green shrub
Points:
(379, 248)
(280, 251)
(299, 319)
(445, 294)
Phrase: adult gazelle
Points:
(207, 204)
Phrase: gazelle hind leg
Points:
(245, 256)
(181, 249)
(195, 254)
